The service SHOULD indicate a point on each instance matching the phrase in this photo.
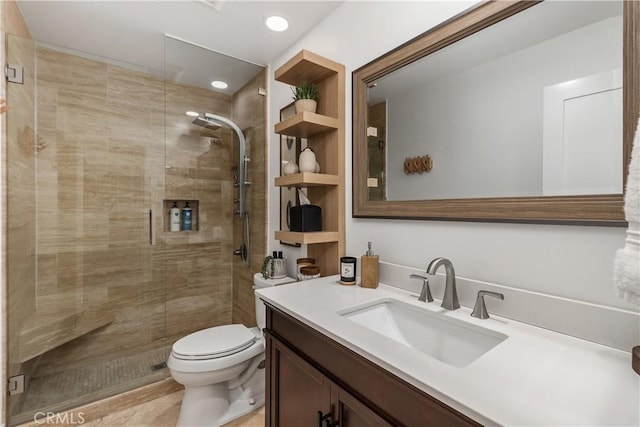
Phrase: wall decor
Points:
(417, 164)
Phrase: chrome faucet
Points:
(450, 299)
(425, 293)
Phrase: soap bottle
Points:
(369, 269)
(174, 218)
(187, 218)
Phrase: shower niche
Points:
(194, 205)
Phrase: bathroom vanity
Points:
(309, 375)
(332, 361)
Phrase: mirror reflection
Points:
(531, 106)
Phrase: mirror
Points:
(513, 112)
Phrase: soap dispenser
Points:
(187, 218)
(174, 218)
(369, 269)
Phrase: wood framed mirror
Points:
(575, 164)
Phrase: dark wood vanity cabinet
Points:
(315, 381)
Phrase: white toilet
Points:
(222, 369)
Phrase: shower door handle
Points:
(152, 237)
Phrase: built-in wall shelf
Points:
(49, 328)
(324, 131)
(307, 179)
(195, 217)
(307, 66)
(306, 124)
(308, 238)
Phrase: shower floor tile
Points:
(70, 388)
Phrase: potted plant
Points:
(305, 97)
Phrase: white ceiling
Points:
(132, 32)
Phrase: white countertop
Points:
(535, 377)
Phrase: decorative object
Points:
(274, 268)
(305, 97)
(317, 169)
(418, 164)
(307, 160)
(289, 152)
(303, 262)
(309, 272)
(348, 270)
(290, 168)
(267, 267)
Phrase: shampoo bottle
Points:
(187, 218)
(174, 218)
(369, 269)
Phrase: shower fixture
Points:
(213, 122)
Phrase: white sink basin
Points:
(451, 341)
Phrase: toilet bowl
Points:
(221, 369)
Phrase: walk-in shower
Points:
(212, 122)
(99, 286)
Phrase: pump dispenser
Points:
(369, 269)
(174, 218)
(187, 218)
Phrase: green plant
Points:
(305, 91)
(267, 264)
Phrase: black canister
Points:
(348, 270)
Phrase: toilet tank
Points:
(260, 282)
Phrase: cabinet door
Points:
(350, 412)
(297, 390)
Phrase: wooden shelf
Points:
(306, 124)
(306, 179)
(325, 134)
(306, 67)
(308, 238)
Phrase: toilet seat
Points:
(213, 343)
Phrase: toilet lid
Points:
(214, 342)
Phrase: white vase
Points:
(317, 170)
(307, 160)
(290, 168)
(305, 105)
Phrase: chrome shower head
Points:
(206, 123)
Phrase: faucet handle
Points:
(425, 293)
(480, 309)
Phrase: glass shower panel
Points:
(199, 165)
(86, 170)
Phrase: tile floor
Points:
(163, 412)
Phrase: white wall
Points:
(508, 91)
(568, 261)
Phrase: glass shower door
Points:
(85, 166)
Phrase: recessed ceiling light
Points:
(276, 23)
(219, 84)
(192, 114)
